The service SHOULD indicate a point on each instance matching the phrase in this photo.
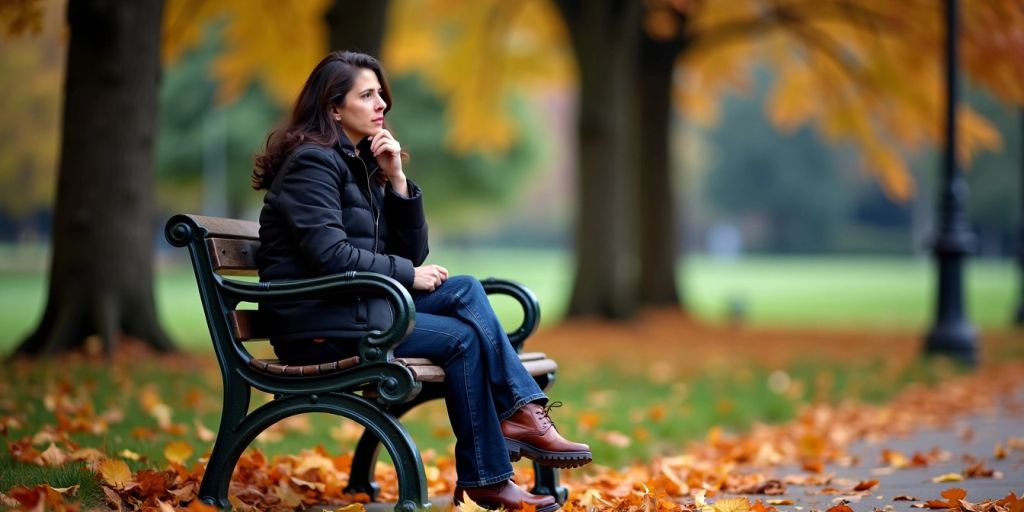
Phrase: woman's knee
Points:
(467, 342)
(464, 285)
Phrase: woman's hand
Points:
(388, 153)
(429, 277)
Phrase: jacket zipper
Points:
(373, 206)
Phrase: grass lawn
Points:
(878, 293)
(629, 405)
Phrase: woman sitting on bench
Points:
(338, 200)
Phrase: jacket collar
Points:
(345, 147)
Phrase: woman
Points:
(338, 200)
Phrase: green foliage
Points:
(193, 122)
(788, 183)
(886, 293)
(994, 203)
(14, 474)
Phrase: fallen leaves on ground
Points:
(721, 473)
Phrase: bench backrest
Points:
(226, 247)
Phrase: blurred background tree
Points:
(101, 272)
(482, 88)
(30, 86)
(855, 70)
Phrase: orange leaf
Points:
(115, 473)
(198, 506)
(954, 493)
(865, 485)
(840, 508)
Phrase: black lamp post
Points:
(952, 334)
(1019, 317)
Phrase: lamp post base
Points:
(954, 338)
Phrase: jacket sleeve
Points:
(407, 225)
(309, 199)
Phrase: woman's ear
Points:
(335, 113)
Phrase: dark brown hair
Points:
(311, 121)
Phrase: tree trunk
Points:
(657, 228)
(357, 25)
(101, 275)
(605, 34)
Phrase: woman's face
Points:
(362, 113)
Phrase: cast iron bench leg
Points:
(213, 490)
(364, 460)
(412, 484)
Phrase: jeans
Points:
(484, 380)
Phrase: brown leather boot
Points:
(506, 495)
(530, 433)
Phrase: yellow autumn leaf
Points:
(287, 495)
(974, 134)
(68, 491)
(948, 477)
(87, 454)
(115, 472)
(312, 460)
(468, 505)
(592, 499)
(731, 505)
(178, 451)
(352, 507)
(203, 433)
(128, 454)
(699, 498)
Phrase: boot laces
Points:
(544, 414)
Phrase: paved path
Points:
(963, 451)
(986, 430)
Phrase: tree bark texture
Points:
(357, 25)
(605, 35)
(101, 274)
(657, 228)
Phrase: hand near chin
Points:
(388, 153)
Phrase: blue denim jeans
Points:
(484, 380)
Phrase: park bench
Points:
(373, 389)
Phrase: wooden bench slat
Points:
(227, 228)
(540, 366)
(423, 370)
(248, 324)
(274, 367)
(233, 256)
(532, 356)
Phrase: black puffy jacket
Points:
(326, 213)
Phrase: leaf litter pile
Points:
(723, 471)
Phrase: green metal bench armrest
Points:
(526, 299)
(376, 345)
